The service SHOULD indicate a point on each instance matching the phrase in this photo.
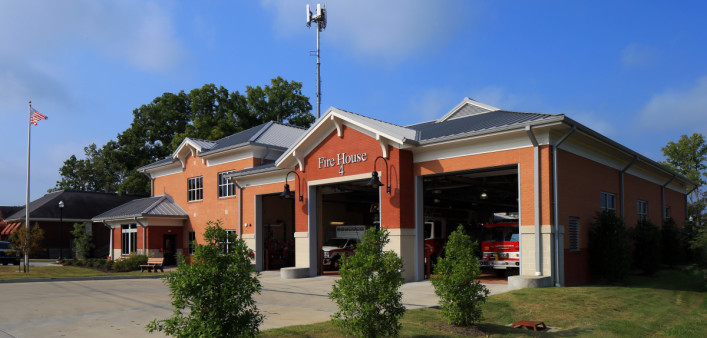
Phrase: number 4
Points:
(341, 170)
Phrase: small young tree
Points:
(213, 297)
(82, 240)
(673, 249)
(609, 255)
(27, 245)
(646, 247)
(460, 297)
(367, 295)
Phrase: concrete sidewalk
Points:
(119, 308)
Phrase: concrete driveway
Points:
(119, 308)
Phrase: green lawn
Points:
(11, 272)
(670, 304)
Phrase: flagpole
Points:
(29, 131)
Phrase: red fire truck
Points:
(500, 247)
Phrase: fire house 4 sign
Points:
(340, 160)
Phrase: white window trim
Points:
(229, 185)
(197, 191)
(132, 232)
(604, 199)
(642, 208)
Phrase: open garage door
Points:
(278, 232)
(347, 210)
(486, 203)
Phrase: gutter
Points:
(556, 199)
(536, 192)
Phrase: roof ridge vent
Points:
(468, 107)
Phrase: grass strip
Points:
(672, 303)
(11, 272)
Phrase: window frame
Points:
(666, 213)
(228, 243)
(642, 210)
(229, 186)
(192, 242)
(605, 198)
(128, 238)
(195, 189)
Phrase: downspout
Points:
(662, 197)
(556, 199)
(144, 238)
(536, 174)
(621, 179)
(239, 196)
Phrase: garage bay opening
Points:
(347, 209)
(485, 202)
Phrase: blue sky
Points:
(635, 71)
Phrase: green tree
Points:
(460, 297)
(213, 297)
(367, 295)
(609, 255)
(27, 244)
(82, 240)
(209, 112)
(688, 157)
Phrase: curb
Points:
(76, 279)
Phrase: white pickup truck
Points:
(343, 245)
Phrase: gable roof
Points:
(78, 205)
(467, 107)
(157, 206)
(271, 134)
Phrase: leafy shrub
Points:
(460, 297)
(673, 248)
(108, 265)
(213, 297)
(609, 255)
(367, 295)
(646, 247)
(130, 263)
(82, 240)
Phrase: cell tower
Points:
(320, 19)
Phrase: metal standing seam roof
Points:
(474, 123)
(157, 206)
(394, 130)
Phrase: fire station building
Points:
(543, 176)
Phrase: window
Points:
(226, 188)
(129, 238)
(608, 201)
(192, 242)
(230, 234)
(642, 207)
(666, 213)
(195, 189)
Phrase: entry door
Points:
(169, 245)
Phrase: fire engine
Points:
(343, 245)
(500, 248)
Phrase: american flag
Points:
(36, 116)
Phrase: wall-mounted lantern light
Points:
(484, 195)
(375, 181)
(286, 193)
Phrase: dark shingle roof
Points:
(473, 123)
(7, 211)
(158, 206)
(77, 205)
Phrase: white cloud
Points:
(390, 30)
(638, 55)
(677, 109)
(138, 33)
(596, 122)
(432, 104)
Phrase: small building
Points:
(56, 213)
(543, 177)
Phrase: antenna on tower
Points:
(320, 19)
